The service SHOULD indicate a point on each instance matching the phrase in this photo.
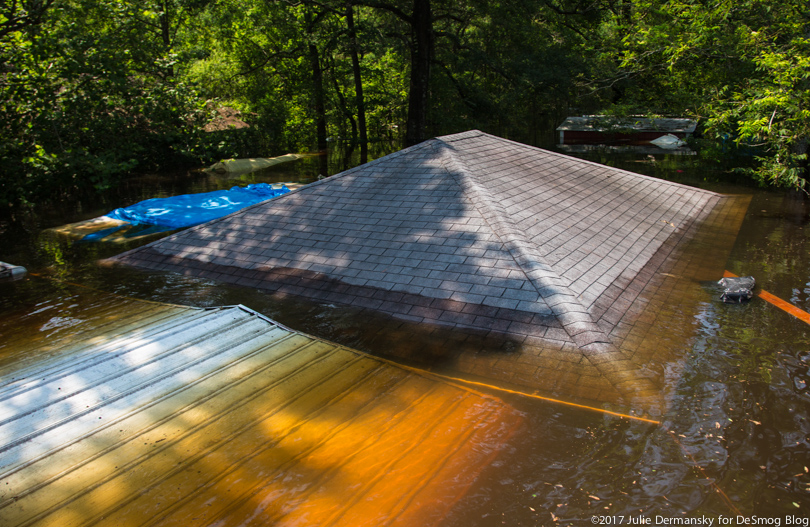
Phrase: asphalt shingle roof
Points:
(467, 230)
(484, 226)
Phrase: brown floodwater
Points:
(735, 433)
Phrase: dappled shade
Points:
(220, 416)
(469, 231)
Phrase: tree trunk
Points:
(358, 83)
(165, 31)
(165, 25)
(317, 83)
(802, 148)
(345, 109)
(421, 56)
(320, 106)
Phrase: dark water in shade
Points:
(735, 438)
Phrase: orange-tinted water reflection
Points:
(303, 432)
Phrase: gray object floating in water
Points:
(11, 272)
(738, 289)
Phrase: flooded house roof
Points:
(604, 123)
(157, 414)
(468, 230)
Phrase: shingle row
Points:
(468, 230)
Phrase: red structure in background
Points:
(606, 130)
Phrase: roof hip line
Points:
(549, 285)
(564, 304)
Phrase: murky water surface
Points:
(735, 439)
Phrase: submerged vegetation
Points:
(92, 90)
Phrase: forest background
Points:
(94, 90)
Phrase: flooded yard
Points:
(733, 441)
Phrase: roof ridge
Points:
(595, 164)
(514, 242)
(563, 302)
(574, 317)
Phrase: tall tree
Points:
(422, 47)
(358, 81)
(419, 19)
(317, 78)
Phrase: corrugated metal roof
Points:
(224, 417)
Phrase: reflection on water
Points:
(179, 416)
(738, 400)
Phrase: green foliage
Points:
(515, 68)
(84, 101)
(256, 59)
(741, 66)
(91, 91)
(773, 109)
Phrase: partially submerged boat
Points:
(248, 165)
(610, 130)
(11, 272)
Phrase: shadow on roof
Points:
(481, 236)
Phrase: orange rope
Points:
(712, 481)
(533, 396)
(446, 378)
(804, 316)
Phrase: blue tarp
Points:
(192, 209)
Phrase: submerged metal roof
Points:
(222, 416)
